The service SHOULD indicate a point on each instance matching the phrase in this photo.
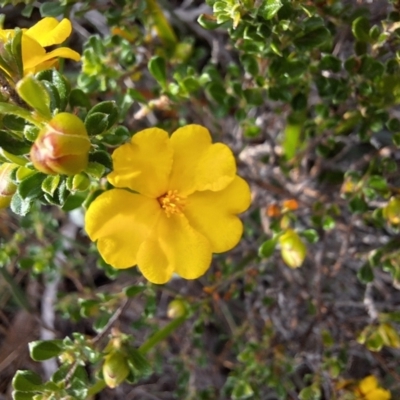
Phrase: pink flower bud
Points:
(62, 146)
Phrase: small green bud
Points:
(7, 186)
(115, 369)
(62, 146)
(293, 250)
(67, 357)
(177, 308)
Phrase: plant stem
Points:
(96, 388)
(162, 334)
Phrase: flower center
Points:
(172, 203)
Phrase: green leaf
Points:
(8, 108)
(52, 9)
(34, 93)
(393, 125)
(158, 68)
(162, 26)
(95, 170)
(269, 8)
(360, 48)
(79, 182)
(26, 381)
(16, 51)
(360, 28)
(377, 182)
(299, 102)
(78, 98)
(292, 134)
(250, 64)
(330, 63)
(374, 33)
(291, 68)
(328, 223)
(89, 307)
(311, 235)
(23, 395)
(352, 65)
(132, 291)
(31, 132)
(62, 193)
(96, 123)
(208, 22)
(19, 205)
(16, 290)
(310, 393)
(63, 87)
(109, 108)
(254, 96)
(312, 39)
(50, 184)
(267, 248)
(396, 139)
(9, 157)
(27, 11)
(74, 201)
(365, 274)
(12, 145)
(242, 390)
(138, 361)
(41, 350)
(101, 157)
(31, 187)
(55, 103)
(217, 92)
(13, 123)
(61, 373)
(370, 67)
(357, 204)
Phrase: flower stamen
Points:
(172, 203)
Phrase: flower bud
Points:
(177, 308)
(115, 369)
(7, 186)
(293, 250)
(392, 211)
(62, 146)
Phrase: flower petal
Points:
(38, 61)
(35, 58)
(368, 384)
(32, 52)
(378, 394)
(144, 164)
(213, 214)
(120, 221)
(199, 164)
(153, 262)
(49, 31)
(174, 246)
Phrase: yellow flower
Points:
(368, 389)
(187, 195)
(47, 32)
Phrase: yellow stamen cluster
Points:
(172, 203)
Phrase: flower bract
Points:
(175, 202)
(47, 32)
